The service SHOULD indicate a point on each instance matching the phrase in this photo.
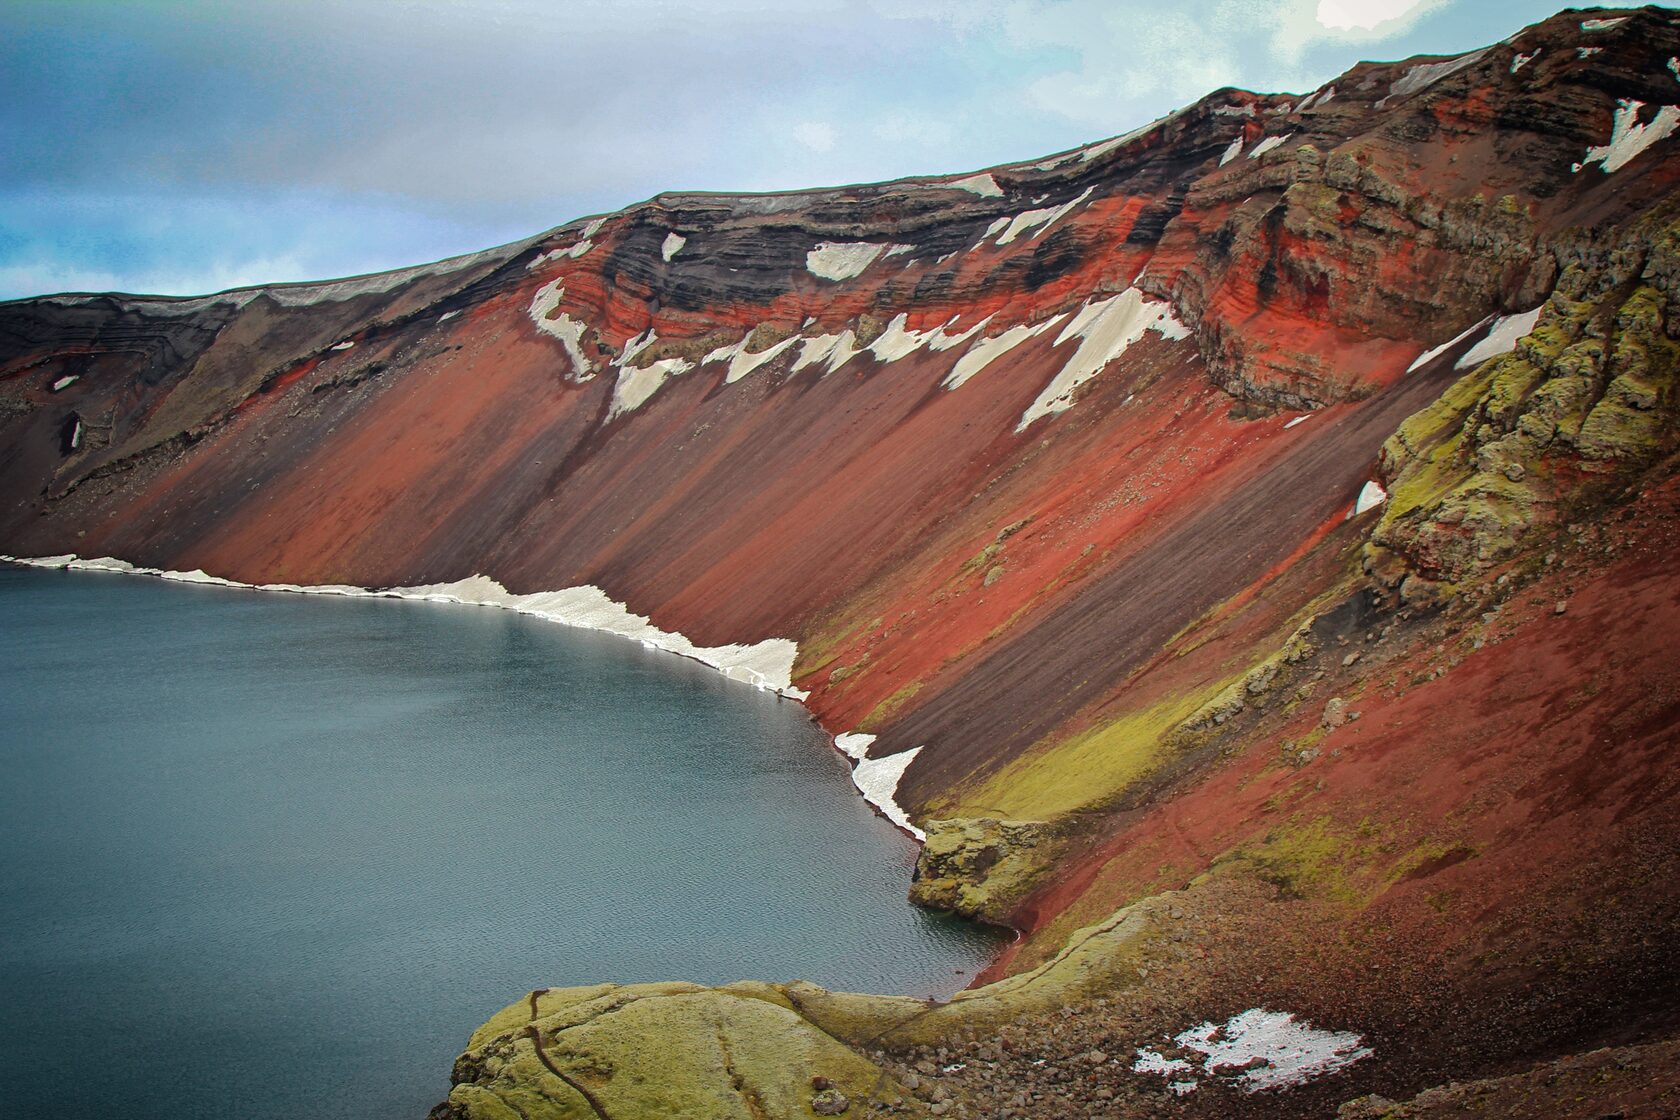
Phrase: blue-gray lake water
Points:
(270, 856)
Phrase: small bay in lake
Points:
(276, 856)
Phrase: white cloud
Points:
(1362, 15)
(1300, 25)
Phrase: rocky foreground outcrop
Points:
(752, 1049)
(1265, 519)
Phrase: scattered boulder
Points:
(981, 867)
(830, 1102)
(1335, 712)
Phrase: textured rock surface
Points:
(981, 868)
(1589, 392)
(749, 1050)
(1633, 1082)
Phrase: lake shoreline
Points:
(766, 665)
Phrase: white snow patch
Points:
(635, 385)
(345, 345)
(898, 341)
(987, 350)
(446, 316)
(1628, 137)
(76, 436)
(1301, 419)
(1602, 24)
(835, 349)
(1371, 496)
(1056, 161)
(573, 251)
(1268, 144)
(65, 382)
(1587, 52)
(837, 260)
(1232, 152)
(1041, 220)
(673, 245)
(898, 251)
(940, 340)
(742, 363)
(1428, 356)
(1153, 1061)
(877, 779)
(1265, 1049)
(766, 665)
(1674, 68)
(1096, 151)
(854, 745)
(1289, 1053)
(62, 560)
(1106, 328)
(983, 185)
(1419, 78)
(1522, 60)
(1502, 339)
(635, 344)
(563, 327)
(1319, 99)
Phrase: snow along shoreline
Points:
(766, 665)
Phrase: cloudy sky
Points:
(186, 146)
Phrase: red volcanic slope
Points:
(738, 415)
(838, 508)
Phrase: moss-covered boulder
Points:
(661, 1050)
(753, 1050)
(981, 868)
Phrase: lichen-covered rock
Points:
(1586, 396)
(649, 1051)
(829, 1102)
(752, 1050)
(980, 868)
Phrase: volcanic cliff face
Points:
(1066, 477)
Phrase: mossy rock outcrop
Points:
(751, 1050)
(1587, 397)
(981, 868)
(654, 1050)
